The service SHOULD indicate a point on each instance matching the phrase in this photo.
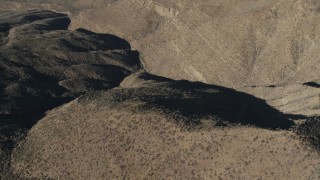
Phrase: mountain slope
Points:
(117, 121)
(44, 65)
(231, 43)
(154, 128)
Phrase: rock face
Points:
(226, 42)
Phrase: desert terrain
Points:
(119, 89)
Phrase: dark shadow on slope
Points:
(14, 127)
(12, 130)
(296, 116)
(114, 42)
(71, 41)
(4, 27)
(69, 46)
(51, 24)
(312, 84)
(126, 59)
(34, 79)
(13, 124)
(310, 130)
(13, 19)
(195, 100)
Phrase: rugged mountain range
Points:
(117, 114)
(247, 45)
(226, 42)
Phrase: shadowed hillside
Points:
(153, 127)
(233, 43)
(248, 45)
(196, 101)
(44, 65)
(79, 105)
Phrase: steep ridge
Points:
(43, 61)
(44, 65)
(225, 42)
(232, 43)
(153, 128)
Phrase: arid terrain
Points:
(119, 89)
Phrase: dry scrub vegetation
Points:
(80, 105)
